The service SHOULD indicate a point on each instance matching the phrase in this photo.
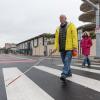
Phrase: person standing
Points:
(66, 41)
(86, 44)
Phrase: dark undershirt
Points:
(62, 37)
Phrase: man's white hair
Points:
(62, 15)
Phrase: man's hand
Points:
(53, 51)
(74, 52)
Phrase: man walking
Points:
(66, 42)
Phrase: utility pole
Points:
(45, 47)
(97, 30)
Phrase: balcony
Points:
(88, 16)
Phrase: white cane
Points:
(40, 60)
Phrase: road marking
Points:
(23, 88)
(91, 65)
(84, 69)
(81, 80)
(95, 66)
(20, 57)
(18, 61)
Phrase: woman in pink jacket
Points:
(86, 44)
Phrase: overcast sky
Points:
(24, 19)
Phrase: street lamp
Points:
(97, 30)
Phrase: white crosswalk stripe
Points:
(81, 80)
(98, 66)
(84, 69)
(95, 66)
(23, 88)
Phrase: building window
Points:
(40, 41)
(35, 42)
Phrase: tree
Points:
(93, 35)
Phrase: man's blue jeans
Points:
(66, 59)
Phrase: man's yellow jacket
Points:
(71, 37)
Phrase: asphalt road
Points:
(42, 81)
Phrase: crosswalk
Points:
(23, 88)
(84, 81)
(42, 83)
(7, 59)
(84, 69)
(98, 66)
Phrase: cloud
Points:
(23, 19)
